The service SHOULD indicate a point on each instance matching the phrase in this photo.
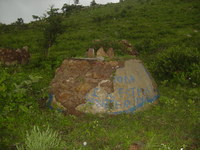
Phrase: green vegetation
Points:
(166, 33)
(44, 140)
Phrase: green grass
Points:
(153, 27)
(173, 122)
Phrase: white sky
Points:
(10, 10)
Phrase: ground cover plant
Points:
(166, 33)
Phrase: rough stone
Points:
(91, 53)
(137, 146)
(12, 57)
(101, 53)
(129, 48)
(103, 87)
(110, 53)
(75, 78)
(125, 42)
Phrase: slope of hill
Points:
(149, 25)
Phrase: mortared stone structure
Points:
(96, 86)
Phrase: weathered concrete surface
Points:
(103, 87)
(133, 88)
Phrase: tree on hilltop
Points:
(93, 3)
(68, 9)
(76, 2)
(52, 11)
(52, 28)
(19, 21)
(35, 17)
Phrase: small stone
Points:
(110, 53)
(126, 43)
(90, 53)
(84, 143)
(12, 57)
(25, 48)
(137, 146)
(101, 53)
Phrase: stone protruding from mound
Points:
(90, 53)
(110, 53)
(12, 57)
(101, 53)
(103, 86)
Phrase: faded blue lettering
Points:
(126, 103)
(139, 91)
(124, 79)
(94, 92)
(120, 79)
(139, 99)
(118, 105)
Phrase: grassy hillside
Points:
(166, 33)
(149, 25)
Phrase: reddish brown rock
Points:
(126, 43)
(110, 53)
(11, 57)
(75, 78)
(129, 48)
(137, 146)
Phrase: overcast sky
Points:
(10, 10)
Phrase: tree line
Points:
(51, 26)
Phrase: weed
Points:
(42, 140)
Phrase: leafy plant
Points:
(52, 29)
(178, 62)
(42, 140)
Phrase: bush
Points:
(180, 63)
(17, 98)
(42, 140)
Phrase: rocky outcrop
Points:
(12, 57)
(92, 86)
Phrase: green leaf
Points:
(2, 88)
(23, 108)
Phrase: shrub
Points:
(18, 94)
(179, 63)
(42, 140)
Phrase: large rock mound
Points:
(93, 86)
